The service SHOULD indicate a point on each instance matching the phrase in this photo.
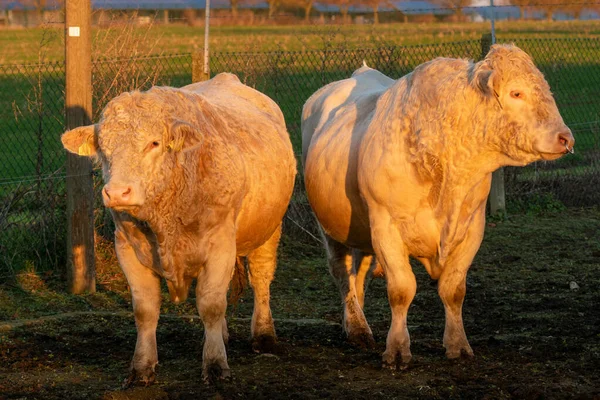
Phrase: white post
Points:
(206, 32)
(493, 20)
(497, 193)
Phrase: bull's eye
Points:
(515, 94)
(152, 145)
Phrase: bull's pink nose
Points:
(119, 195)
(566, 140)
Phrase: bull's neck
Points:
(167, 213)
(175, 201)
(462, 163)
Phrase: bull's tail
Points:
(238, 281)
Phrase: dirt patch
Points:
(535, 335)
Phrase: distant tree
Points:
(457, 5)
(343, 5)
(189, 15)
(374, 5)
(522, 4)
(576, 9)
(549, 7)
(38, 5)
(273, 6)
(234, 8)
(306, 6)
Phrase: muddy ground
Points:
(532, 315)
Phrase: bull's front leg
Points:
(211, 300)
(145, 293)
(392, 254)
(452, 287)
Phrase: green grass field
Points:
(31, 97)
(307, 57)
(47, 44)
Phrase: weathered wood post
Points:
(81, 271)
(198, 74)
(497, 197)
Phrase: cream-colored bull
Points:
(195, 178)
(403, 168)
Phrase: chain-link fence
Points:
(32, 222)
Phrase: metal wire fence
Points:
(32, 192)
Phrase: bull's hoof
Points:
(134, 378)
(465, 352)
(363, 340)
(264, 344)
(214, 373)
(396, 361)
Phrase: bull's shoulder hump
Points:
(224, 78)
(441, 66)
(372, 76)
(226, 90)
(363, 88)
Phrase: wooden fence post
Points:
(497, 196)
(81, 271)
(198, 74)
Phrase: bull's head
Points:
(531, 126)
(138, 146)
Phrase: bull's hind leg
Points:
(340, 266)
(211, 300)
(262, 263)
(363, 264)
(145, 293)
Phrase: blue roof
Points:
(502, 12)
(418, 7)
(156, 4)
(411, 7)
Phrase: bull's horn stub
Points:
(84, 150)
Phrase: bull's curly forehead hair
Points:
(508, 53)
(130, 104)
(512, 61)
(137, 110)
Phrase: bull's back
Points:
(333, 125)
(257, 136)
(226, 90)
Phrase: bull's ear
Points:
(487, 79)
(184, 137)
(81, 141)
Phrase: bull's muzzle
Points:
(566, 141)
(117, 196)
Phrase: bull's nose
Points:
(114, 196)
(566, 140)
